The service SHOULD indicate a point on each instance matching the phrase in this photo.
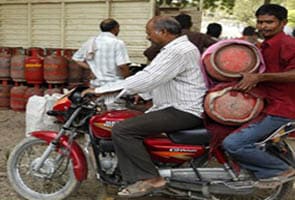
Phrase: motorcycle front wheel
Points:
(55, 180)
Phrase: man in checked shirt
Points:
(176, 85)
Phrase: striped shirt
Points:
(109, 53)
(173, 78)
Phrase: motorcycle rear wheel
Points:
(279, 193)
(50, 182)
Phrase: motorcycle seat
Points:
(199, 136)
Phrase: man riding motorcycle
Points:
(175, 83)
(277, 84)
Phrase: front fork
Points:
(58, 140)
(44, 156)
(53, 144)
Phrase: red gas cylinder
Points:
(74, 85)
(52, 89)
(17, 66)
(231, 107)
(36, 90)
(55, 67)
(17, 98)
(75, 76)
(4, 95)
(5, 58)
(228, 60)
(34, 66)
(87, 76)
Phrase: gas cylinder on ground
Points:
(17, 97)
(87, 76)
(229, 59)
(17, 66)
(230, 107)
(34, 66)
(5, 58)
(55, 67)
(36, 90)
(4, 95)
(75, 76)
(52, 90)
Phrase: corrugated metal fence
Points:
(68, 23)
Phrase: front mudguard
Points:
(76, 153)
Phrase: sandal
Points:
(138, 189)
(274, 182)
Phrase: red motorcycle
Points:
(51, 165)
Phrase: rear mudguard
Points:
(77, 155)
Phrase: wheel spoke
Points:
(48, 179)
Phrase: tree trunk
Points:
(267, 1)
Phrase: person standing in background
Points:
(105, 55)
(214, 31)
(200, 40)
(249, 34)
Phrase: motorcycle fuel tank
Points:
(102, 124)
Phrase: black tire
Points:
(39, 186)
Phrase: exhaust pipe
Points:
(213, 180)
(208, 174)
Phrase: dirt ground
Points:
(12, 130)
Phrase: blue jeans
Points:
(241, 146)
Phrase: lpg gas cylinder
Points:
(229, 59)
(75, 76)
(4, 95)
(17, 66)
(17, 98)
(55, 67)
(5, 58)
(34, 66)
(87, 76)
(231, 107)
(36, 90)
(52, 90)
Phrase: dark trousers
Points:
(134, 161)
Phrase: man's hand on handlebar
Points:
(90, 92)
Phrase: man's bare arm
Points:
(251, 80)
(82, 64)
(124, 70)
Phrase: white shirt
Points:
(173, 78)
(108, 53)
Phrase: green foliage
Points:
(291, 18)
(226, 5)
(207, 4)
(290, 4)
(244, 11)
